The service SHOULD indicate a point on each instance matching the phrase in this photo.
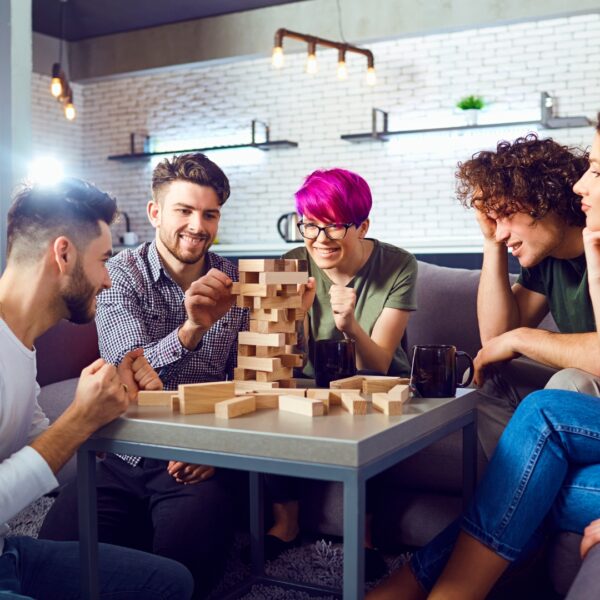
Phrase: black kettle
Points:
(287, 226)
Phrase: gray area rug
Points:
(319, 563)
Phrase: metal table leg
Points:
(257, 526)
(469, 460)
(88, 523)
(354, 533)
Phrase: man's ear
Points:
(363, 228)
(153, 210)
(64, 254)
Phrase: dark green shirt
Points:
(565, 285)
(387, 279)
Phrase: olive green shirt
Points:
(387, 279)
(565, 285)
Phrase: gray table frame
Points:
(353, 479)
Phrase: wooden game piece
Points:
(261, 265)
(278, 302)
(202, 397)
(244, 302)
(291, 360)
(235, 407)
(250, 338)
(244, 350)
(348, 383)
(270, 327)
(244, 387)
(400, 392)
(373, 384)
(274, 315)
(248, 277)
(385, 404)
(269, 352)
(289, 384)
(259, 364)
(318, 393)
(175, 403)
(154, 398)
(278, 375)
(285, 278)
(301, 406)
(354, 403)
(264, 400)
(301, 264)
(291, 339)
(240, 374)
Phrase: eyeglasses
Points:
(335, 231)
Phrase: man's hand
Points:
(591, 244)
(591, 536)
(343, 303)
(499, 349)
(486, 224)
(187, 473)
(137, 374)
(100, 396)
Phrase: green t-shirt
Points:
(387, 279)
(565, 285)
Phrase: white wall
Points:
(419, 81)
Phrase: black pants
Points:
(144, 507)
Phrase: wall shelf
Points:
(266, 145)
(546, 121)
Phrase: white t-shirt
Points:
(24, 474)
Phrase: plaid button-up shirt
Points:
(144, 308)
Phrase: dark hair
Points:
(529, 175)
(195, 168)
(71, 208)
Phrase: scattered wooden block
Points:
(250, 338)
(264, 400)
(244, 387)
(259, 364)
(202, 397)
(175, 403)
(286, 278)
(354, 403)
(235, 407)
(154, 398)
(388, 406)
(400, 392)
(348, 383)
(379, 383)
(301, 406)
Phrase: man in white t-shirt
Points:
(58, 243)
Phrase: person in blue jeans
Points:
(544, 473)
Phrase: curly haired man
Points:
(524, 202)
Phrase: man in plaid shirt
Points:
(172, 298)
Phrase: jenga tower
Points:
(269, 289)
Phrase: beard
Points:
(186, 258)
(79, 297)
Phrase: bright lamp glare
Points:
(46, 170)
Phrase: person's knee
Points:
(575, 380)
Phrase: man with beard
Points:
(172, 297)
(58, 244)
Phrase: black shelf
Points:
(265, 145)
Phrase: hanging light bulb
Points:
(342, 69)
(311, 61)
(371, 76)
(70, 112)
(277, 59)
(56, 87)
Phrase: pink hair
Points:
(334, 196)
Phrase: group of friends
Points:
(165, 316)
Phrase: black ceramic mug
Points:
(433, 371)
(334, 359)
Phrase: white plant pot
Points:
(471, 115)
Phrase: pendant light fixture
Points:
(59, 85)
(277, 59)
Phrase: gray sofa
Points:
(417, 506)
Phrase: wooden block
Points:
(175, 403)
(301, 264)
(400, 392)
(373, 384)
(202, 397)
(244, 302)
(259, 364)
(248, 277)
(236, 288)
(291, 360)
(261, 265)
(348, 383)
(296, 314)
(318, 393)
(301, 406)
(387, 405)
(255, 290)
(244, 350)
(242, 388)
(291, 339)
(272, 315)
(249, 338)
(294, 301)
(264, 400)
(235, 407)
(289, 384)
(154, 398)
(335, 397)
(285, 278)
(242, 374)
(269, 327)
(283, 373)
(354, 403)
(269, 352)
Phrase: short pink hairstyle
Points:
(334, 196)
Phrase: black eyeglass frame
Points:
(324, 229)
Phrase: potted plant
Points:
(471, 105)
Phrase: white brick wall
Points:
(419, 81)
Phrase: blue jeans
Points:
(47, 570)
(545, 472)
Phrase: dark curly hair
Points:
(195, 168)
(529, 175)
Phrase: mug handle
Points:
(471, 369)
(282, 218)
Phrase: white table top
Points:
(338, 438)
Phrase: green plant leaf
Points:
(471, 102)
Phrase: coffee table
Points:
(338, 447)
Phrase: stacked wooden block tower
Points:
(269, 288)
